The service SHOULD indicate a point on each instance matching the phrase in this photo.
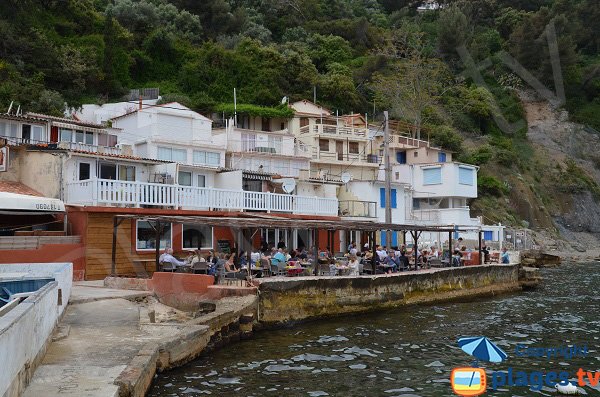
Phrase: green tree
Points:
(414, 82)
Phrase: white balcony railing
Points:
(123, 193)
(335, 130)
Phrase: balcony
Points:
(360, 209)
(326, 129)
(84, 147)
(136, 194)
(446, 216)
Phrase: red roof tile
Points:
(18, 188)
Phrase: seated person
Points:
(230, 267)
(279, 257)
(403, 262)
(504, 257)
(196, 257)
(391, 260)
(456, 258)
(167, 257)
(353, 264)
(486, 253)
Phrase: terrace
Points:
(136, 194)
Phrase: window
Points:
(401, 157)
(197, 237)
(107, 140)
(466, 176)
(275, 143)
(248, 144)
(127, 173)
(201, 180)
(146, 236)
(84, 171)
(213, 158)
(266, 124)
(172, 154)
(382, 197)
(432, 176)
(441, 157)
(353, 147)
(84, 137)
(415, 154)
(37, 133)
(108, 171)
(66, 135)
(8, 129)
(324, 145)
(416, 204)
(303, 121)
(208, 158)
(184, 178)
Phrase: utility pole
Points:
(388, 179)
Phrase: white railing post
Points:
(95, 183)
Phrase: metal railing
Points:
(125, 193)
(356, 208)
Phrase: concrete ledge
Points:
(130, 283)
(294, 299)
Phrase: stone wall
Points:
(26, 329)
(294, 299)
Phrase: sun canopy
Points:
(15, 204)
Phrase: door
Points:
(339, 149)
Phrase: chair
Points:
(265, 266)
(167, 267)
(281, 270)
(435, 262)
(360, 267)
(200, 268)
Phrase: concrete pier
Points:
(110, 342)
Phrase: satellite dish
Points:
(346, 177)
(288, 185)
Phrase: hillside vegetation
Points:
(361, 55)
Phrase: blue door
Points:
(401, 157)
(488, 235)
(441, 157)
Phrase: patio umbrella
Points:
(482, 349)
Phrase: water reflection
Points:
(406, 352)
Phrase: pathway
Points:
(103, 336)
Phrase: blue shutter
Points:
(394, 239)
(382, 197)
(401, 157)
(382, 240)
(488, 235)
(432, 176)
(441, 157)
(465, 175)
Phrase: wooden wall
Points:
(99, 248)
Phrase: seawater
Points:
(409, 351)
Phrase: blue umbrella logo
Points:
(482, 349)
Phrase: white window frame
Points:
(152, 249)
(212, 238)
(79, 170)
(472, 170)
(432, 168)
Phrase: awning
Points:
(15, 204)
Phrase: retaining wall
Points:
(25, 330)
(293, 299)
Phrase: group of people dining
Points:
(302, 261)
